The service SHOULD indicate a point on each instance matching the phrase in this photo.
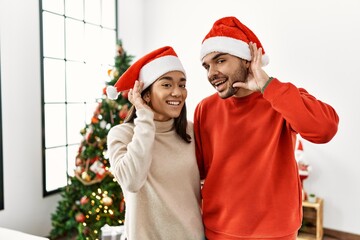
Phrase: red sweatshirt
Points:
(245, 153)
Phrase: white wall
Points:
(25, 208)
(131, 26)
(313, 44)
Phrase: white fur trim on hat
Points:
(111, 92)
(158, 67)
(229, 45)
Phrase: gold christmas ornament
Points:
(107, 201)
(85, 176)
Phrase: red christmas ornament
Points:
(94, 120)
(84, 200)
(104, 91)
(80, 217)
(86, 231)
(97, 110)
(88, 136)
(122, 205)
(78, 161)
(125, 94)
(123, 112)
(120, 50)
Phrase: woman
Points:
(152, 154)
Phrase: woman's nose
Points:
(176, 92)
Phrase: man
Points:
(245, 135)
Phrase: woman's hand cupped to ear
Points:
(135, 96)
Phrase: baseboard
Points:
(340, 235)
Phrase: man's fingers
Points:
(259, 53)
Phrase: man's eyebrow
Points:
(215, 57)
(218, 55)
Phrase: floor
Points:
(324, 238)
(329, 238)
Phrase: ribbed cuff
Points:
(266, 84)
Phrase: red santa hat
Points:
(300, 146)
(299, 151)
(147, 69)
(229, 35)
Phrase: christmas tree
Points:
(92, 197)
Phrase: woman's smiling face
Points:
(167, 95)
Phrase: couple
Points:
(241, 144)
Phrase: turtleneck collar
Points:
(163, 127)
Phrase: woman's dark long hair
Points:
(180, 123)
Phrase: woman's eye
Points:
(182, 86)
(220, 60)
(167, 85)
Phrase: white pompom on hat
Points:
(229, 35)
(147, 69)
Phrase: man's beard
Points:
(229, 92)
(239, 76)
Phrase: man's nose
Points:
(212, 72)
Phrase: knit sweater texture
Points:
(245, 153)
(158, 174)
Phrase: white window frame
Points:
(66, 56)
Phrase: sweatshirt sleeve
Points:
(130, 150)
(313, 119)
(198, 142)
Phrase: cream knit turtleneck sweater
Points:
(158, 174)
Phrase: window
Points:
(78, 39)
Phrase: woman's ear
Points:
(146, 97)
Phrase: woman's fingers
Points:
(135, 95)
